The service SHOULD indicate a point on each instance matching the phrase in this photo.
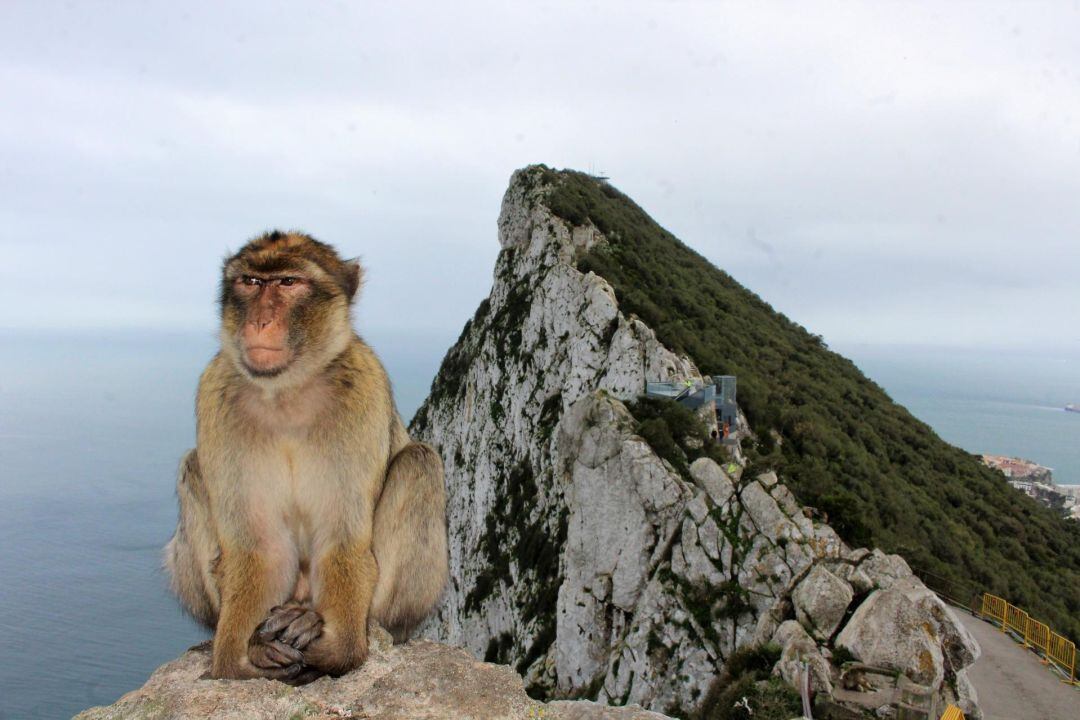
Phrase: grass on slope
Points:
(883, 477)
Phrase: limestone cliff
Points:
(587, 561)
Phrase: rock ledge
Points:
(419, 680)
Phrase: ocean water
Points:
(997, 402)
(92, 428)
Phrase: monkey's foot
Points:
(294, 625)
(379, 639)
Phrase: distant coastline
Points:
(1037, 481)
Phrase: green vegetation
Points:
(841, 655)
(746, 689)
(883, 477)
(675, 433)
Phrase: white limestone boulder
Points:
(821, 600)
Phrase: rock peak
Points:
(595, 550)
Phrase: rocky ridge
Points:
(595, 567)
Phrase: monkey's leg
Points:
(410, 540)
(192, 552)
(247, 589)
(345, 580)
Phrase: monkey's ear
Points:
(354, 277)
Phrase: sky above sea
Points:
(898, 173)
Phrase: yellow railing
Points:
(1063, 652)
(994, 608)
(1038, 636)
(1053, 647)
(953, 713)
(1016, 619)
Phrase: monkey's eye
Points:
(289, 281)
(249, 280)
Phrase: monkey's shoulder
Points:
(359, 369)
(218, 381)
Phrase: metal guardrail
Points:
(1054, 649)
(995, 608)
(952, 713)
(1038, 636)
(1017, 620)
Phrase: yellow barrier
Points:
(1054, 648)
(1063, 653)
(1038, 636)
(995, 608)
(1016, 619)
(953, 713)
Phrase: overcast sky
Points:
(882, 173)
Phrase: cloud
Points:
(895, 171)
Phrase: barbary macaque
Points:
(306, 511)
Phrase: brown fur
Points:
(305, 507)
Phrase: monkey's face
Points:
(270, 302)
(285, 306)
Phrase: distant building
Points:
(1020, 469)
(727, 411)
(718, 391)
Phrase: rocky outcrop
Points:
(908, 628)
(556, 533)
(578, 554)
(405, 682)
(902, 642)
(821, 600)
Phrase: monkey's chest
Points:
(296, 494)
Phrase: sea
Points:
(92, 426)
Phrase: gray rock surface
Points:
(799, 649)
(418, 681)
(907, 628)
(821, 600)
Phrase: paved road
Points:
(1012, 683)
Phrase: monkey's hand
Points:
(276, 647)
(292, 624)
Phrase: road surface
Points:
(1012, 682)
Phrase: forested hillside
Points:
(883, 477)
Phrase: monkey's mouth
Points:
(265, 361)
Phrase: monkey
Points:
(305, 509)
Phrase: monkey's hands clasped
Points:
(292, 624)
(277, 645)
